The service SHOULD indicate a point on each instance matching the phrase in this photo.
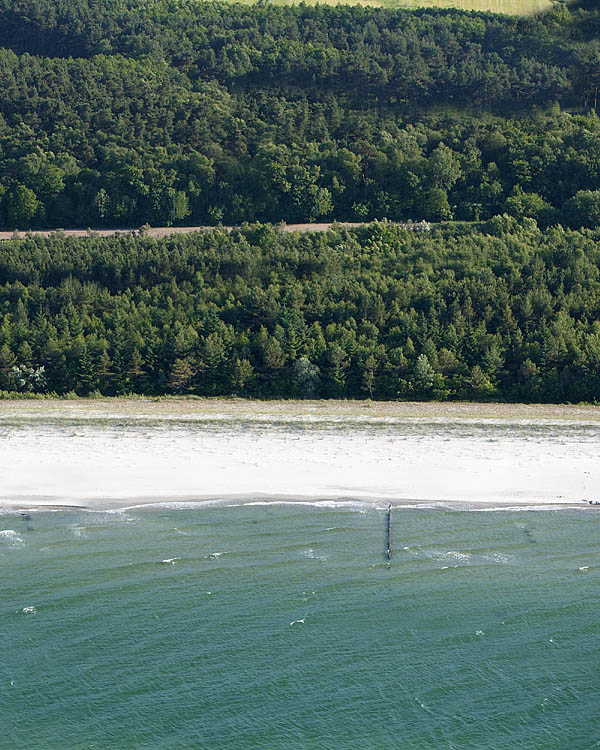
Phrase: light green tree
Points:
(22, 205)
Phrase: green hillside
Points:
(121, 113)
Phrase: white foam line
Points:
(87, 419)
(521, 508)
(361, 507)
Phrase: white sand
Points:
(119, 453)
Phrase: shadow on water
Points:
(529, 535)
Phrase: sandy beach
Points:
(115, 453)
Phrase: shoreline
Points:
(112, 505)
(114, 454)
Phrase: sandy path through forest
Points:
(168, 231)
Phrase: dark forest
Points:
(121, 114)
(506, 311)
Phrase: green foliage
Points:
(117, 113)
(21, 206)
(306, 378)
(511, 313)
(583, 209)
(123, 113)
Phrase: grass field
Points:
(510, 7)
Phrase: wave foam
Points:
(11, 537)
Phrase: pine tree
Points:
(181, 375)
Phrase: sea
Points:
(284, 625)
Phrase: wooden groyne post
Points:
(388, 534)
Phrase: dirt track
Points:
(167, 231)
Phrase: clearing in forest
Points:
(509, 7)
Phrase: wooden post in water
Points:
(388, 536)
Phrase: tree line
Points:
(501, 311)
(123, 113)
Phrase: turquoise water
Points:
(283, 627)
